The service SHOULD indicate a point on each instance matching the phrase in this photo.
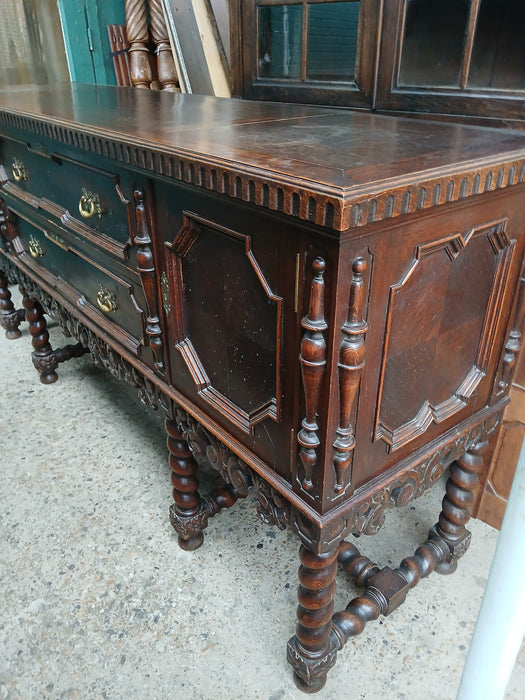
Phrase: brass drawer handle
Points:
(89, 204)
(35, 249)
(106, 300)
(19, 170)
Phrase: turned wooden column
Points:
(10, 317)
(313, 366)
(138, 36)
(187, 516)
(312, 652)
(166, 71)
(457, 506)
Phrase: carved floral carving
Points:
(369, 516)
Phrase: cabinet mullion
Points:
(469, 43)
(304, 44)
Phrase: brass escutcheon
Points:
(19, 170)
(106, 300)
(89, 204)
(35, 249)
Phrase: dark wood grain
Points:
(247, 259)
(316, 148)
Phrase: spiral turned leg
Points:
(10, 318)
(43, 356)
(457, 506)
(187, 516)
(311, 651)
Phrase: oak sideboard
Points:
(327, 305)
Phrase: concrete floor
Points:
(97, 600)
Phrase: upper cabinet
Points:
(453, 56)
(463, 57)
(309, 51)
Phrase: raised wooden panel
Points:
(439, 334)
(227, 321)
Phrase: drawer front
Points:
(88, 198)
(110, 301)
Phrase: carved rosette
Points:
(514, 341)
(272, 508)
(351, 363)
(313, 366)
(148, 277)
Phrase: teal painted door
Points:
(86, 38)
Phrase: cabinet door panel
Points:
(434, 322)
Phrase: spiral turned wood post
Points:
(10, 318)
(166, 70)
(138, 36)
(311, 651)
(187, 516)
(43, 356)
(457, 506)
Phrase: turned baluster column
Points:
(166, 71)
(10, 317)
(137, 32)
(350, 366)
(148, 276)
(313, 365)
(311, 651)
(187, 516)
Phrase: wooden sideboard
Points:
(327, 306)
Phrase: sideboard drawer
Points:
(106, 298)
(88, 198)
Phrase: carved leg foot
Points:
(312, 651)
(187, 516)
(43, 357)
(457, 506)
(10, 318)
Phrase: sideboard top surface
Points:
(305, 161)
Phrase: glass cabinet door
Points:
(31, 44)
(453, 56)
(316, 51)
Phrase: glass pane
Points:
(31, 43)
(433, 44)
(280, 41)
(332, 41)
(498, 59)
